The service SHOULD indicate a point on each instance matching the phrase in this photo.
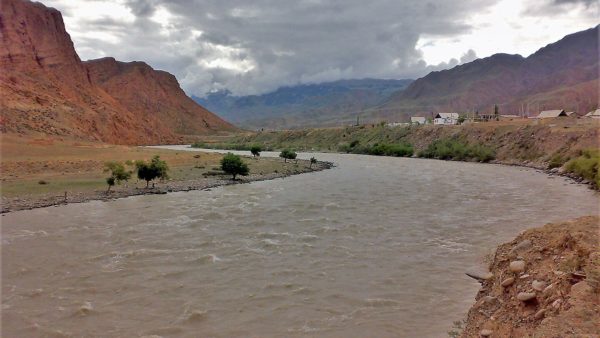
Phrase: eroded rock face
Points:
(45, 88)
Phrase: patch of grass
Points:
(557, 161)
(379, 149)
(449, 149)
(586, 166)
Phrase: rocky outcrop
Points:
(46, 89)
(546, 283)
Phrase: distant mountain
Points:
(562, 75)
(309, 105)
(45, 88)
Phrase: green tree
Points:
(154, 169)
(233, 165)
(117, 174)
(312, 161)
(287, 154)
(255, 150)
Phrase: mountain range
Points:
(562, 75)
(45, 89)
(305, 105)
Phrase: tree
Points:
(149, 171)
(287, 154)
(496, 113)
(255, 150)
(312, 161)
(233, 165)
(117, 174)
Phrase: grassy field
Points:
(45, 166)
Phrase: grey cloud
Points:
(256, 46)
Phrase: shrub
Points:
(117, 173)
(233, 165)
(198, 144)
(42, 182)
(557, 161)
(287, 154)
(384, 149)
(312, 161)
(448, 149)
(255, 150)
(586, 166)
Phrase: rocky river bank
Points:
(545, 283)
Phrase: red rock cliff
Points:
(46, 89)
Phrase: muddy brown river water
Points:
(376, 247)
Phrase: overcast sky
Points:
(256, 46)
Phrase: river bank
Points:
(38, 173)
(544, 283)
(541, 144)
(33, 202)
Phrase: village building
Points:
(551, 114)
(594, 114)
(418, 120)
(445, 118)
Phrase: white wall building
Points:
(445, 118)
(418, 120)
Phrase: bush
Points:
(287, 154)
(117, 173)
(312, 161)
(586, 166)
(557, 161)
(448, 149)
(255, 150)
(198, 144)
(397, 150)
(233, 165)
(154, 169)
(42, 182)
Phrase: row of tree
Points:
(158, 169)
(147, 171)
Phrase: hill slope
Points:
(330, 103)
(46, 89)
(563, 75)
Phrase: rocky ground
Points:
(545, 283)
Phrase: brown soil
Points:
(563, 264)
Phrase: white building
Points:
(446, 118)
(551, 113)
(595, 114)
(418, 120)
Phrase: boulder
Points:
(525, 296)
(517, 266)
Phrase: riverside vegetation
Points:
(566, 146)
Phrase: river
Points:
(375, 247)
